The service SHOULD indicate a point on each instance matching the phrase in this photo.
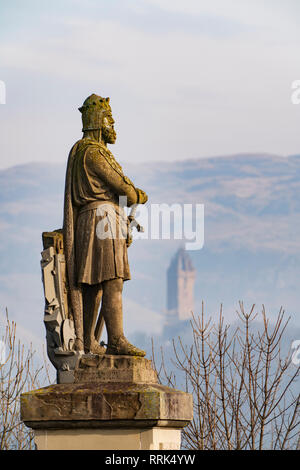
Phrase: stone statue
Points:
(97, 267)
(82, 266)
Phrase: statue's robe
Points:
(94, 178)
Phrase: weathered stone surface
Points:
(109, 392)
(98, 405)
(106, 368)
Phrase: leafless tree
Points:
(244, 388)
(19, 373)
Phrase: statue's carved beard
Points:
(109, 135)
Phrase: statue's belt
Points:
(95, 204)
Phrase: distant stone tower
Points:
(180, 287)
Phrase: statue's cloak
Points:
(70, 215)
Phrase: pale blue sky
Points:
(186, 79)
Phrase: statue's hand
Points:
(142, 196)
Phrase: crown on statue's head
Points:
(93, 110)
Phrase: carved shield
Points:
(60, 332)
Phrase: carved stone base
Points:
(106, 368)
(112, 396)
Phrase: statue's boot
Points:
(93, 347)
(78, 346)
(119, 345)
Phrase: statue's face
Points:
(108, 132)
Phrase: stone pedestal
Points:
(114, 403)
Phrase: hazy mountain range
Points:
(252, 237)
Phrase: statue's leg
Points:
(112, 311)
(91, 296)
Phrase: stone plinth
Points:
(115, 403)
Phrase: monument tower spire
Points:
(180, 287)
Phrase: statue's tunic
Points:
(98, 181)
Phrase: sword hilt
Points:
(133, 222)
